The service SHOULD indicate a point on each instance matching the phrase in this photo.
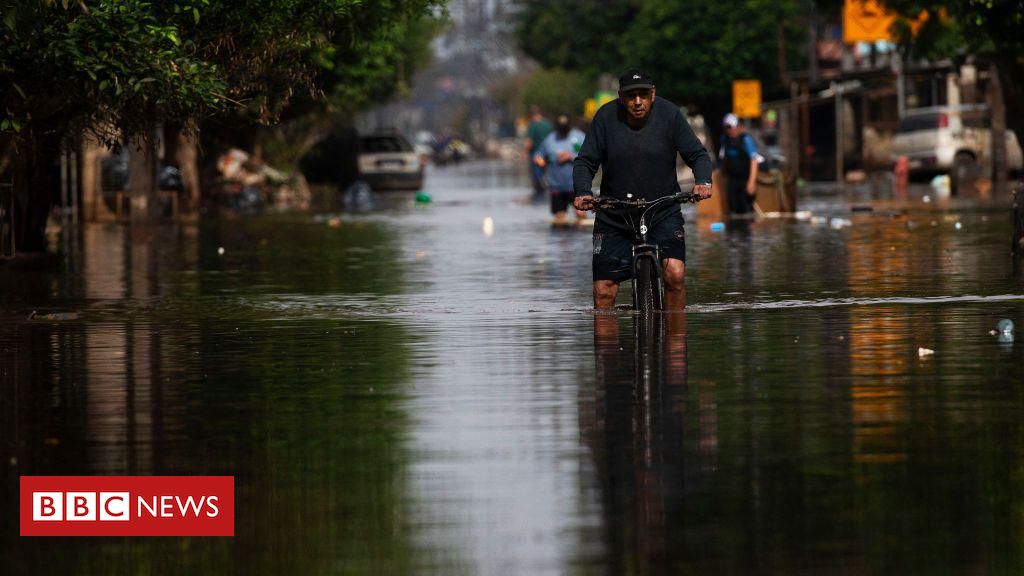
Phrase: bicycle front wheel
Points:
(643, 288)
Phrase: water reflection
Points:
(396, 392)
(158, 374)
(634, 421)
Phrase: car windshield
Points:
(919, 122)
(377, 144)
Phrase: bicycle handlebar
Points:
(602, 203)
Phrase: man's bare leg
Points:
(606, 329)
(605, 292)
(674, 276)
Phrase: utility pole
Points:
(998, 132)
(813, 47)
(793, 132)
(840, 136)
(901, 98)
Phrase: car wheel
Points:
(964, 164)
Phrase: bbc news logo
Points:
(127, 505)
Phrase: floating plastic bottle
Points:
(1003, 331)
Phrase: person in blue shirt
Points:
(557, 153)
(737, 159)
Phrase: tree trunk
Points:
(33, 189)
(142, 181)
(186, 157)
(780, 55)
(997, 109)
(1018, 243)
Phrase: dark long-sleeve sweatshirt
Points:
(641, 162)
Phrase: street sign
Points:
(746, 98)
(590, 105)
(866, 21)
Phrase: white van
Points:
(388, 162)
(950, 139)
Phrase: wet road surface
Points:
(397, 392)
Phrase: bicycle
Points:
(648, 286)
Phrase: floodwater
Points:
(397, 392)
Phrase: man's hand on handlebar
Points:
(703, 191)
(583, 203)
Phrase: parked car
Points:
(388, 162)
(950, 139)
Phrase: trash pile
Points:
(246, 185)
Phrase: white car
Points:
(950, 139)
(388, 162)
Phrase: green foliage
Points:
(697, 50)
(119, 66)
(694, 50)
(557, 91)
(106, 64)
(980, 26)
(382, 62)
(575, 34)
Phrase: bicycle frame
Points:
(642, 248)
(646, 250)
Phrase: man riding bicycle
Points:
(636, 139)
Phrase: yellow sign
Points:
(746, 98)
(866, 21)
(590, 105)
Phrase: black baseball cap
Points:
(635, 78)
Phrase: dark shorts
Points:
(739, 201)
(561, 200)
(613, 247)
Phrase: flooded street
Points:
(397, 392)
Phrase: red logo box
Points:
(127, 505)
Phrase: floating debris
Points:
(488, 226)
(717, 226)
(359, 197)
(1003, 331)
(220, 251)
(941, 185)
(924, 352)
(423, 198)
(1005, 325)
(59, 316)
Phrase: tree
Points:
(117, 68)
(693, 50)
(556, 91)
(574, 34)
(353, 79)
